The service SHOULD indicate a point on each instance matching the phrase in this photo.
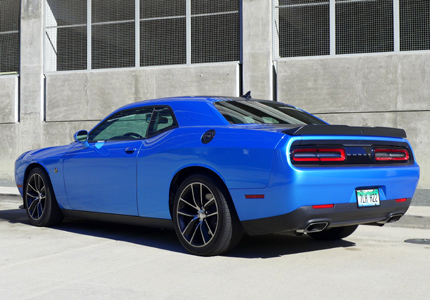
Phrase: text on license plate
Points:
(368, 197)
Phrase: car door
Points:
(102, 176)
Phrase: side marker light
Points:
(402, 200)
(323, 206)
(261, 196)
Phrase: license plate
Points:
(369, 197)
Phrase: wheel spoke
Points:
(37, 182)
(209, 202)
(33, 204)
(194, 197)
(209, 228)
(194, 233)
(187, 214)
(32, 187)
(212, 214)
(40, 208)
(32, 196)
(189, 204)
(201, 195)
(189, 223)
(203, 235)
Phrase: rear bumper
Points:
(343, 214)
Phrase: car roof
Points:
(209, 99)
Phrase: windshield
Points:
(264, 112)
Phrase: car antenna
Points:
(247, 96)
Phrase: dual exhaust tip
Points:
(320, 226)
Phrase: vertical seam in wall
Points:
(89, 34)
(43, 98)
(332, 27)
(188, 31)
(137, 33)
(16, 100)
(241, 32)
(275, 81)
(396, 25)
(241, 80)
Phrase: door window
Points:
(126, 125)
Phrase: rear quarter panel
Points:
(241, 158)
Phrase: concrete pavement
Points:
(94, 260)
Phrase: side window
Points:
(126, 125)
(163, 119)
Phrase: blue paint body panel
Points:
(250, 159)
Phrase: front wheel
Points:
(203, 220)
(39, 200)
(333, 234)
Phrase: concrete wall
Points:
(8, 126)
(92, 95)
(257, 48)
(8, 99)
(365, 90)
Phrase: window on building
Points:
(364, 26)
(304, 28)
(156, 35)
(414, 25)
(215, 31)
(66, 35)
(163, 39)
(9, 36)
(323, 27)
(112, 34)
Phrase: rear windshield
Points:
(264, 112)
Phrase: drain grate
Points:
(418, 241)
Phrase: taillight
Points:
(319, 155)
(391, 154)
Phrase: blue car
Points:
(215, 168)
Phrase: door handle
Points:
(130, 150)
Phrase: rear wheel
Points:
(203, 219)
(39, 200)
(332, 234)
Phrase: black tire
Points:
(333, 234)
(204, 219)
(39, 200)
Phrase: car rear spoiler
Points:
(346, 130)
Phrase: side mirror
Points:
(82, 137)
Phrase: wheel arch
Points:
(184, 173)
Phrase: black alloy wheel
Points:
(204, 221)
(39, 200)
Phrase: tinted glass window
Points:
(162, 120)
(125, 125)
(264, 112)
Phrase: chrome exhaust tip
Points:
(313, 227)
(316, 227)
(394, 218)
